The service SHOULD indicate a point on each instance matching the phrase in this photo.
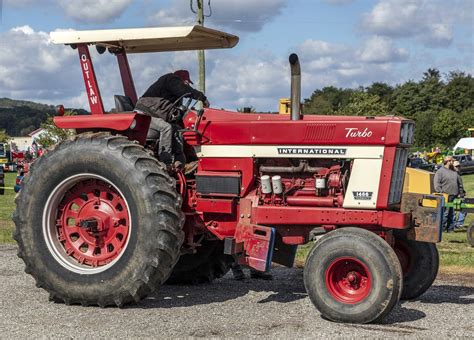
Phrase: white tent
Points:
(465, 143)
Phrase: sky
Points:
(343, 43)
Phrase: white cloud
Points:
(28, 62)
(381, 50)
(242, 15)
(94, 11)
(430, 21)
(85, 11)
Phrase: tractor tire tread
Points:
(163, 244)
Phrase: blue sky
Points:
(346, 43)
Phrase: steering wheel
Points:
(184, 108)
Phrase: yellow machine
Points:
(284, 106)
(418, 181)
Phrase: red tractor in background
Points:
(109, 224)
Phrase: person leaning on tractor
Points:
(447, 181)
(160, 101)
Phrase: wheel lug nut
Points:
(351, 277)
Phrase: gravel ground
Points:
(225, 308)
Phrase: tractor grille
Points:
(407, 132)
(398, 175)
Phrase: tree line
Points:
(442, 107)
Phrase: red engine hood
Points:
(220, 127)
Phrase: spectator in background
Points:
(447, 181)
(461, 215)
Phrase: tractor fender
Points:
(133, 125)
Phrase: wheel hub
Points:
(348, 280)
(92, 224)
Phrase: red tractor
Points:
(100, 221)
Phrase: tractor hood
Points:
(153, 39)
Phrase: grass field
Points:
(457, 256)
(6, 209)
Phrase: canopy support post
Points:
(90, 81)
(126, 74)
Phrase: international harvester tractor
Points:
(100, 221)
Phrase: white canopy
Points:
(465, 143)
(153, 39)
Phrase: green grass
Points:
(7, 206)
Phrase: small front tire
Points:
(352, 275)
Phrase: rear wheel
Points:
(420, 263)
(207, 264)
(353, 275)
(103, 227)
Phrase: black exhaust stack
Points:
(295, 87)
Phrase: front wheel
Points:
(98, 221)
(352, 275)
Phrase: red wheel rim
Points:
(348, 280)
(86, 223)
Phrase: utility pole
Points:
(201, 56)
(199, 11)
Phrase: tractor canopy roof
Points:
(153, 39)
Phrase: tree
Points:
(459, 91)
(53, 134)
(432, 74)
(384, 91)
(447, 128)
(467, 118)
(4, 137)
(407, 100)
(327, 101)
(364, 104)
(318, 105)
(423, 128)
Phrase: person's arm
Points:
(180, 88)
(437, 181)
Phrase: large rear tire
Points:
(98, 221)
(420, 263)
(207, 264)
(352, 275)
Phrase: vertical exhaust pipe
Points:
(295, 87)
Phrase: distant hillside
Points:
(19, 117)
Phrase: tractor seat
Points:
(123, 103)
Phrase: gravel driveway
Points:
(225, 308)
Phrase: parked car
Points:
(423, 164)
(466, 164)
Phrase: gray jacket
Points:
(448, 182)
